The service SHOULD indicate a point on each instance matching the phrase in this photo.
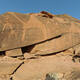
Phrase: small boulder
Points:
(54, 76)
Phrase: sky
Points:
(70, 7)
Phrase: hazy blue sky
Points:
(71, 7)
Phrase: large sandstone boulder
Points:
(18, 30)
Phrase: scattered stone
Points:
(72, 75)
(54, 76)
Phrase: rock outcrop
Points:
(39, 46)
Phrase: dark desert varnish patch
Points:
(2, 53)
(46, 14)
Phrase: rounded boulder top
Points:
(18, 30)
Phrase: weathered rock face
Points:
(61, 43)
(18, 30)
